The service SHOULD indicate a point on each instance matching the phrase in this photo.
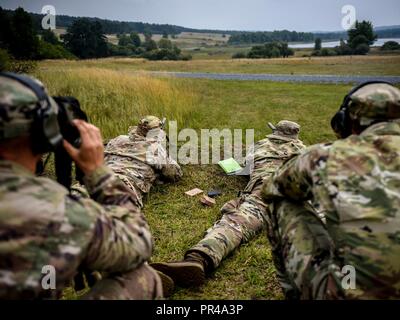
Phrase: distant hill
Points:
(115, 27)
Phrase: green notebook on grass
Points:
(230, 166)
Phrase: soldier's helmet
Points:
(285, 129)
(375, 102)
(18, 107)
(148, 123)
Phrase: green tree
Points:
(318, 44)
(124, 40)
(5, 60)
(165, 44)
(362, 33)
(390, 45)
(362, 49)
(135, 39)
(6, 32)
(86, 39)
(147, 36)
(165, 35)
(150, 45)
(49, 37)
(24, 43)
(343, 49)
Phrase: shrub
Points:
(23, 66)
(51, 51)
(271, 50)
(239, 55)
(390, 45)
(362, 49)
(5, 60)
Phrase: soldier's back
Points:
(360, 191)
(39, 226)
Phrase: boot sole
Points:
(168, 284)
(184, 274)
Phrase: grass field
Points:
(116, 98)
(356, 65)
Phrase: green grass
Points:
(116, 98)
(178, 221)
(356, 65)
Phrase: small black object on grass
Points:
(214, 193)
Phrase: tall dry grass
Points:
(115, 100)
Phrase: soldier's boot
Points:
(190, 272)
(168, 284)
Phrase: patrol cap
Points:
(148, 123)
(285, 129)
(377, 101)
(18, 107)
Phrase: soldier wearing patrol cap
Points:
(42, 224)
(140, 158)
(354, 253)
(242, 218)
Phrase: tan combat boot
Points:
(190, 272)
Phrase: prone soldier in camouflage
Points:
(140, 159)
(42, 224)
(242, 218)
(354, 253)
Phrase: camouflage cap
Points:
(148, 123)
(375, 102)
(18, 105)
(285, 129)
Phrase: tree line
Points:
(359, 41)
(120, 27)
(20, 40)
(263, 37)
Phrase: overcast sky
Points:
(299, 15)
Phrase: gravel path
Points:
(277, 77)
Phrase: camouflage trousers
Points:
(302, 251)
(142, 283)
(242, 220)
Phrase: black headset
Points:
(45, 132)
(341, 122)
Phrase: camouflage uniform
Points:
(242, 218)
(42, 224)
(356, 182)
(140, 159)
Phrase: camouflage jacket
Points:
(41, 225)
(268, 154)
(143, 160)
(357, 182)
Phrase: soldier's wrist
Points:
(95, 179)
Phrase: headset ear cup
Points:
(341, 123)
(39, 143)
(337, 122)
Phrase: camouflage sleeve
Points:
(293, 179)
(122, 239)
(168, 168)
(171, 171)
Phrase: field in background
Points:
(116, 98)
(115, 101)
(349, 65)
(214, 46)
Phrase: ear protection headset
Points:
(45, 132)
(341, 122)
